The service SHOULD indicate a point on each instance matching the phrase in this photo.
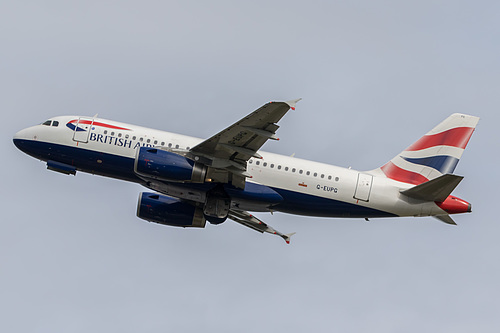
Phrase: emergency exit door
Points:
(363, 187)
(82, 129)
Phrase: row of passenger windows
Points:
(141, 139)
(265, 164)
(300, 171)
(170, 145)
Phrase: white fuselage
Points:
(107, 144)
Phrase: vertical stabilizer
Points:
(434, 154)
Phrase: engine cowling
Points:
(165, 165)
(169, 211)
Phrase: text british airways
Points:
(120, 142)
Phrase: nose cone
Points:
(18, 137)
(23, 134)
(23, 138)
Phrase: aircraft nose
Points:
(20, 139)
(22, 134)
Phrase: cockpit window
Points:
(47, 123)
(55, 123)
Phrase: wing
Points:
(248, 220)
(227, 152)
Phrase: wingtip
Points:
(293, 103)
(287, 237)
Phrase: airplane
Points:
(227, 176)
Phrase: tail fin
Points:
(434, 154)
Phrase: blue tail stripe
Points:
(442, 163)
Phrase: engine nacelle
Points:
(165, 165)
(169, 211)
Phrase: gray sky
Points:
(374, 77)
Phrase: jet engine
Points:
(161, 209)
(168, 166)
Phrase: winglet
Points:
(293, 103)
(287, 237)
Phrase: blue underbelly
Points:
(119, 167)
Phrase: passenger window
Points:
(315, 174)
(322, 176)
(286, 168)
(301, 171)
(329, 177)
(141, 139)
(47, 123)
(105, 132)
(258, 162)
(293, 170)
(279, 167)
(112, 133)
(176, 146)
(55, 123)
(308, 173)
(169, 145)
(336, 179)
(272, 166)
(119, 135)
(265, 164)
(149, 140)
(156, 142)
(163, 143)
(134, 137)
(126, 136)
(250, 161)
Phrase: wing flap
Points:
(232, 147)
(250, 133)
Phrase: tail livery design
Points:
(430, 162)
(435, 154)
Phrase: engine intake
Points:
(165, 165)
(169, 211)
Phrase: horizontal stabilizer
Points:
(446, 219)
(437, 189)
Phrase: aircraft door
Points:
(363, 187)
(82, 129)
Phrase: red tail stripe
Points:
(455, 137)
(96, 123)
(394, 172)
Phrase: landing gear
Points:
(217, 205)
